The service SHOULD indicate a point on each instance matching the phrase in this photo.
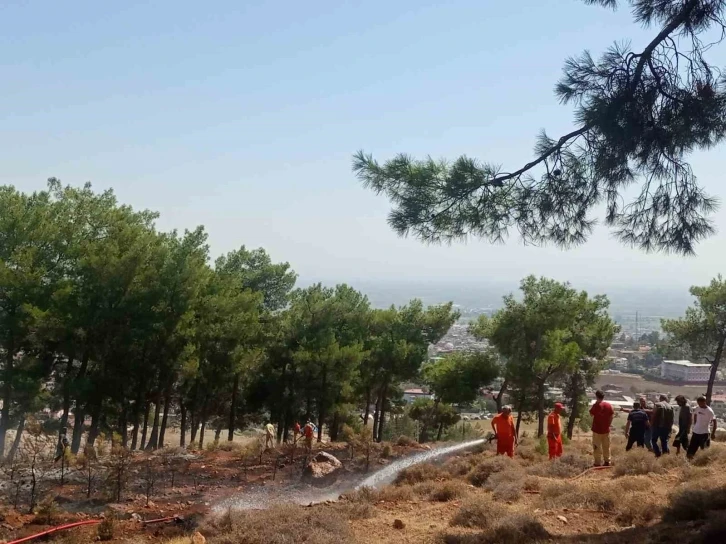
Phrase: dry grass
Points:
(638, 461)
(638, 509)
(479, 512)
(281, 524)
(514, 529)
(695, 503)
(605, 497)
(635, 483)
(715, 455)
(448, 491)
(420, 473)
(507, 485)
(480, 473)
(460, 466)
(567, 466)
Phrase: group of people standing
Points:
(307, 433)
(652, 427)
(645, 427)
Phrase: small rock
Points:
(190, 503)
(563, 519)
(398, 524)
(198, 538)
(135, 516)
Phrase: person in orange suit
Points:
(503, 426)
(554, 431)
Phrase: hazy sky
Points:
(243, 117)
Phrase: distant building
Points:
(685, 371)
(410, 395)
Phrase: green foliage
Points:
(457, 378)
(432, 414)
(701, 333)
(638, 116)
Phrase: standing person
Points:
(60, 449)
(638, 422)
(308, 432)
(684, 424)
(703, 417)
(269, 435)
(295, 432)
(506, 436)
(649, 430)
(662, 425)
(554, 431)
(602, 417)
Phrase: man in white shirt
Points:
(703, 418)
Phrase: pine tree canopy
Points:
(638, 116)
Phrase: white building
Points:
(685, 371)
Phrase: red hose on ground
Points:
(54, 529)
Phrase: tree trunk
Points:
(204, 424)
(16, 441)
(79, 413)
(67, 394)
(575, 393)
(321, 408)
(183, 425)
(193, 429)
(367, 413)
(540, 408)
(145, 426)
(95, 422)
(123, 426)
(376, 415)
(500, 397)
(519, 411)
(441, 430)
(333, 430)
(165, 417)
(7, 392)
(714, 369)
(382, 416)
(153, 442)
(233, 408)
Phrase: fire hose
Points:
(82, 523)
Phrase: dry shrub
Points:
(570, 495)
(491, 465)
(714, 530)
(386, 451)
(637, 509)
(567, 466)
(460, 466)
(406, 441)
(637, 461)
(391, 493)
(715, 455)
(506, 486)
(519, 529)
(693, 474)
(279, 524)
(635, 483)
(528, 453)
(669, 462)
(354, 510)
(448, 491)
(691, 504)
(424, 489)
(720, 435)
(423, 472)
(479, 512)
(230, 446)
(532, 483)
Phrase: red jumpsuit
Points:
(554, 428)
(504, 428)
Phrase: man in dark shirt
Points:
(662, 425)
(638, 422)
(684, 424)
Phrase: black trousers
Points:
(635, 437)
(697, 441)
